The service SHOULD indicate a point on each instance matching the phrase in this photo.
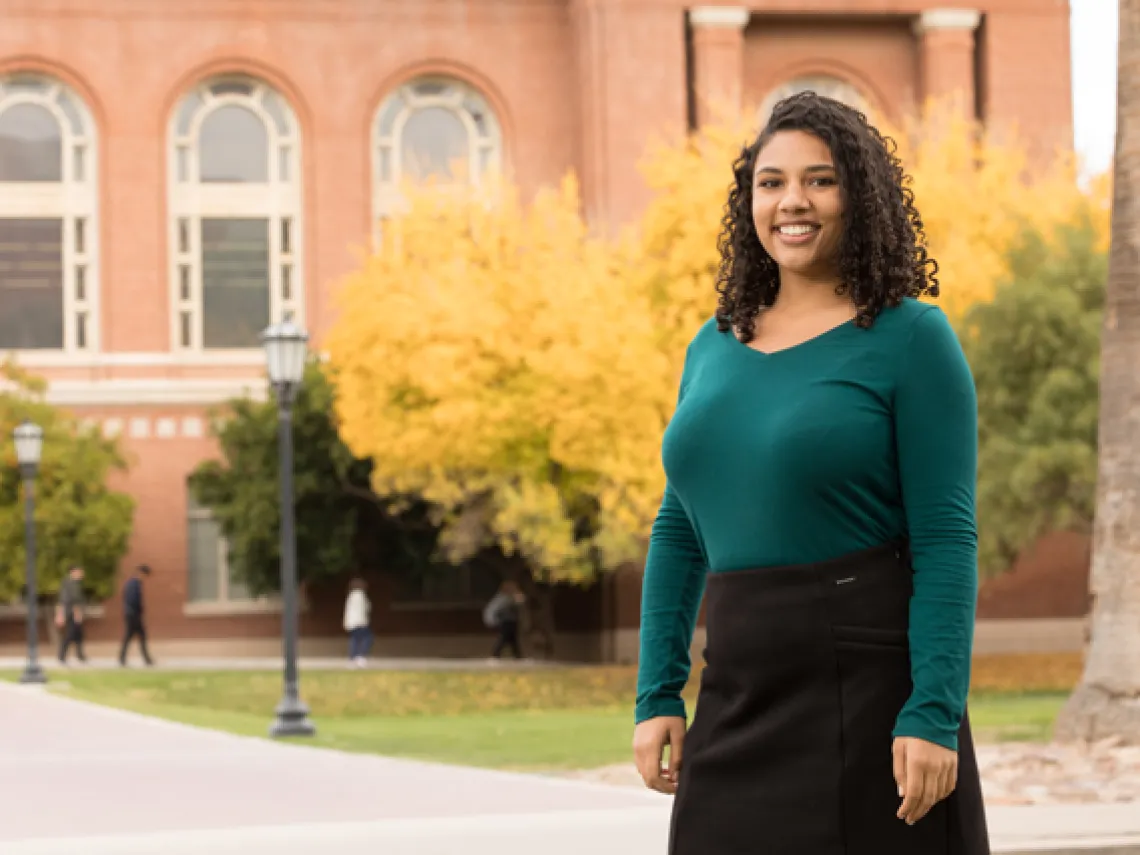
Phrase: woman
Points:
(357, 615)
(821, 477)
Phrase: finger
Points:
(676, 752)
(899, 756)
(930, 792)
(913, 791)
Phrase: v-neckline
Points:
(830, 331)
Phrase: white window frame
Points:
(278, 200)
(71, 200)
(485, 152)
(828, 85)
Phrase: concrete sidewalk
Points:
(76, 777)
(269, 663)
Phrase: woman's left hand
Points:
(925, 773)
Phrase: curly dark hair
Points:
(882, 254)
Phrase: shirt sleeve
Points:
(936, 427)
(671, 593)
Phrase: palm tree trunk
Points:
(1107, 701)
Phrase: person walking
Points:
(820, 493)
(69, 615)
(357, 615)
(134, 625)
(503, 613)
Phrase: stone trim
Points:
(727, 17)
(947, 19)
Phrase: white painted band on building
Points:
(736, 17)
(152, 391)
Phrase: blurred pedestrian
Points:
(133, 615)
(69, 615)
(357, 618)
(503, 613)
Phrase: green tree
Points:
(79, 519)
(1035, 353)
(242, 488)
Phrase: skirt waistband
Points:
(885, 560)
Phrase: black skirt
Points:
(789, 752)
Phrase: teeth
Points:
(796, 230)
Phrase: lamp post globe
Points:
(286, 347)
(29, 440)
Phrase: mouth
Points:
(796, 233)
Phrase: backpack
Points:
(492, 610)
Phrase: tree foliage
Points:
(79, 519)
(492, 359)
(1035, 354)
(242, 488)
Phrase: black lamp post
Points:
(285, 350)
(29, 445)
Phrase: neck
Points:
(808, 292)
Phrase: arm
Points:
(936, 427)
(670, 600)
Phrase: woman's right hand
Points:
(649, 740)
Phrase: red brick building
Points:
(174, 176)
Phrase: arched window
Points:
(235, 229)
(821, 84)
(49, 272)
(433, 128)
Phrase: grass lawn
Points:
(530, 720)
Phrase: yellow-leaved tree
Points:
(493, 359)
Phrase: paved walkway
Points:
(316, 663)
(75, 777)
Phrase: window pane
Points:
(233, 147)
(81, 330)
(385, 163)
(286, 282)
(183, 163)
(285, 158)
(184, 282)
(429, 88)
(238, 590)
(434, 144)
(74, 118)
(79, 166)
(232, 87)
(286, 235)
(191, 104)
(477, 110)
(31, 283)
(184, 331)
(80, 236)
(235, 282)
(80, 283)
(183, 235)
(277, 111)
(30, 145)
(203, 537)
(392, 109)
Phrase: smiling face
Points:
(797, 205)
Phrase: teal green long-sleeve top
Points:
(849, 440)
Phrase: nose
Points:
(794, 200)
